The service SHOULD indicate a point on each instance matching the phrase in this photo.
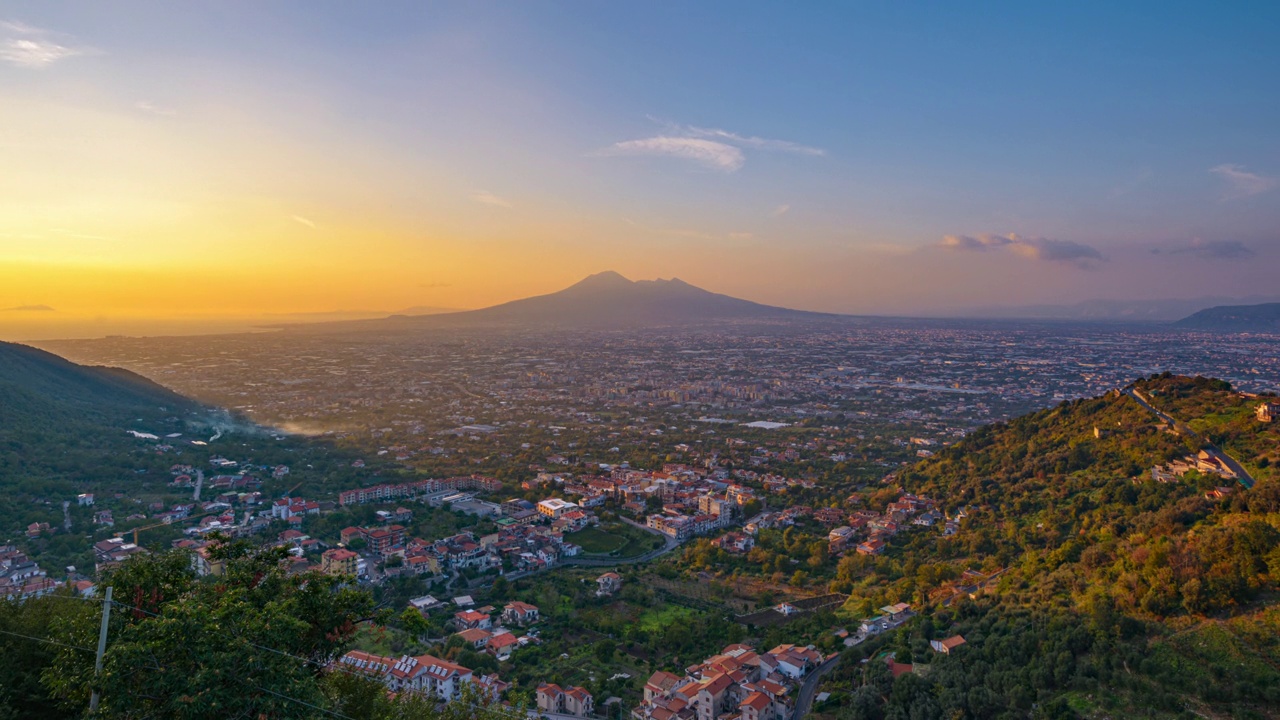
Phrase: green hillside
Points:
(1113, 595)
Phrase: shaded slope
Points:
(36, 383)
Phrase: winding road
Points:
(1184, 429)
(804, 701)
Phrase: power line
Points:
(48, 641)
(300, 702)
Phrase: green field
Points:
(657, 619)
(596, 541)
(614, 540)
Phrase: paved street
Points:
(1241, 474)
(804, 701)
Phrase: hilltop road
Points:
(1184, 429)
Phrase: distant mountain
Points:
(1235, 318)
(1160, 311)
(39, 389)
(603, 300)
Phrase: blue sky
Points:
(862, 157)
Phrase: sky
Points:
(191, 165)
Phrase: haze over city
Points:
(197, 168)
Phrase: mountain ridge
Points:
(1263, 317)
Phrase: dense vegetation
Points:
(254, 642)
(1119, 594)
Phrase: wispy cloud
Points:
(755, 142)
(30, 308)
(1033, 248)
(711, 154)
(150, 107)
(1243, 183)
(304, 221)
(78, 235)
(1131, 184)
(25, 46)
(488, 198)
(688, 233)
(780, 211)
(1211, 250)
(711, 147)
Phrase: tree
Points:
(605, 649)
(414, 623)
(253, 642)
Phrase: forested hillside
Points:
(52, 409)
(1114, 594)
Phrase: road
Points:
(1184, 429)
(804, 700)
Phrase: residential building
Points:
(608, 584)
(339, 561)
(519, 613)
(946, 646)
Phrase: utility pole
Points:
(102, 647)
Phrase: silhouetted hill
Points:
(603, 300)
(1235, 318)
(39, 388)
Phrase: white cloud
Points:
(780, 211)
(709, 153)
(30, 47)
(487, 198)
(1243, 183)
(304, 221)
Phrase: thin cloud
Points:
(780, 211)
(1211, 250)
(687, 233)
(1032, 248)
(1131, 185)
(709, 153)
(30, 47)
(30, 308)
(755, 142)
(487, 198)
(304, 221)
(711, 147)
(1243, 183)
(152, 108)
(78, 235)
